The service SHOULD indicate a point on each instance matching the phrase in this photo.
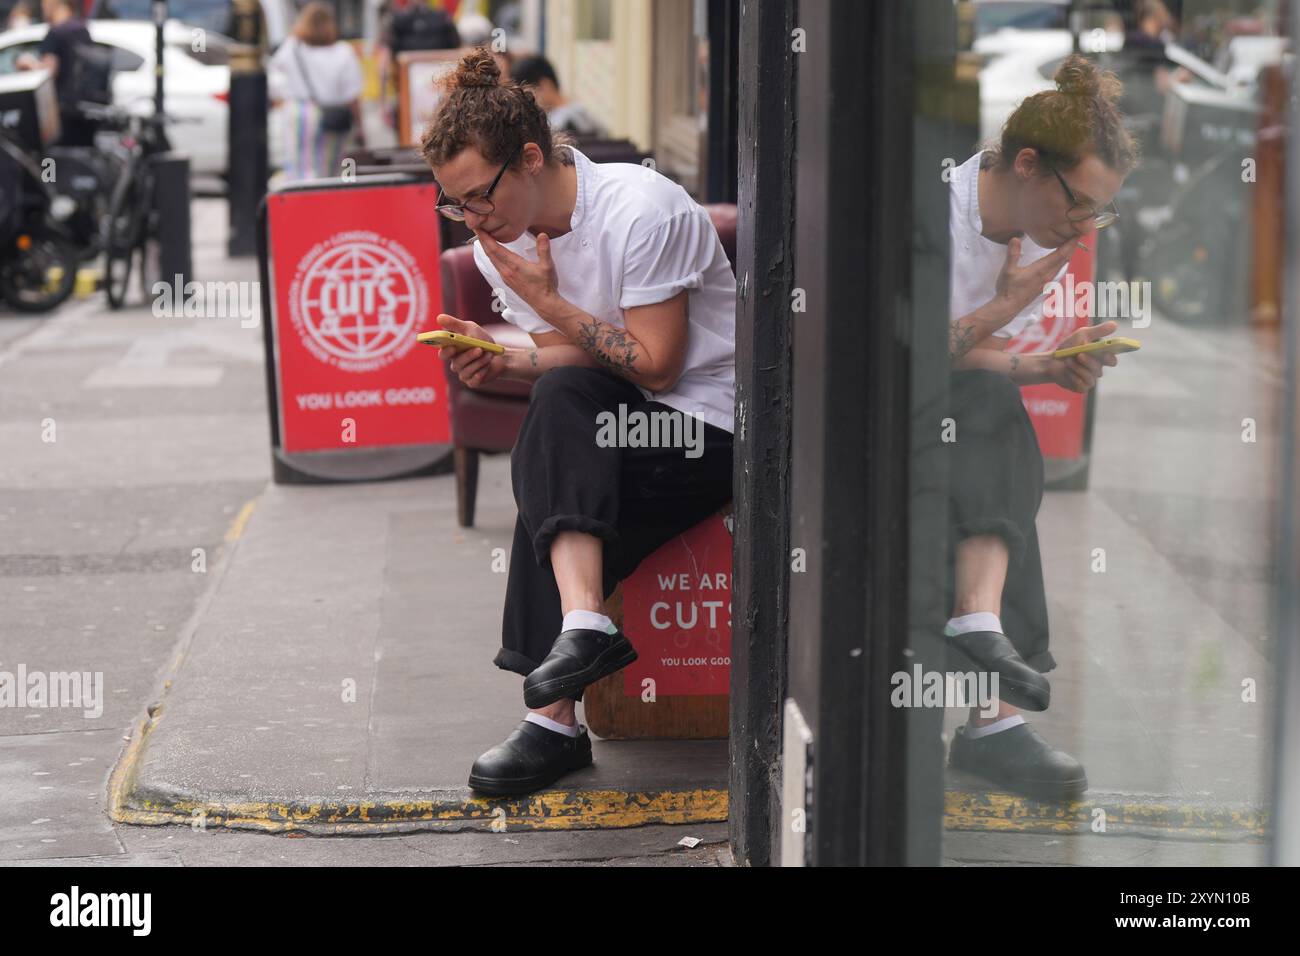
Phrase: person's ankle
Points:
(559, 713)
(977, 717)
(590, 603)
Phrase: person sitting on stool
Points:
(621, 279)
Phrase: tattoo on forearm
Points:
(532, 357)
(1015, 364)
(960, 341)
(609, 345)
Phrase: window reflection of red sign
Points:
(355, 278)
(677, 613)
(1057, 413)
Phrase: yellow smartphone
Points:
(1113, 345)
(442, 338)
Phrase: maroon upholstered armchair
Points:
(487, 419)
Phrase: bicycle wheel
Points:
(124, 227)
(42, 277)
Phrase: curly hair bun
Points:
(476, 69)
(1079, 76)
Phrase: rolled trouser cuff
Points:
(517, 663)
(1004, 528)
(553, 525)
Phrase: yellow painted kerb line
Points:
(1121, 814)
(599, 809)
(549, 810)
(122, 780)
(237, 526)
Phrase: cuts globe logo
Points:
(356, 299)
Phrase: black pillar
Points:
(172, 197)
(721, 159)
(868, 499)
(247, 159)
(159, 20)
(760, 580)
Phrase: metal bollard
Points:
(172, 198)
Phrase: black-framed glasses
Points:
(479, 205)
(1079, 212)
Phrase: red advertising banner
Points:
(677, 613)
(355, 277)
(1057, 413)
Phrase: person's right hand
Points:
(1018, 285)
(474, 367)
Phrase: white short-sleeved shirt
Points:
(976, 260)
(637, 238)
(333, 72)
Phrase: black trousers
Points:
(996, 480)
(76, 129)
(633, 499)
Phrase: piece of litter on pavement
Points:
(689, 842)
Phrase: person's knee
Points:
(555, 393)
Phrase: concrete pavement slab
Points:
(341, 673)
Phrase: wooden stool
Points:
(678, 616)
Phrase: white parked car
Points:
(1021, 43)
(1017, 64)
(196, 81)
(1244, 58)
(214, 15)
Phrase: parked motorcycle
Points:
(38, 255)
(1184, 210)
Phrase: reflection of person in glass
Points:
(1018, 211)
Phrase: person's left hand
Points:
(535, 282)
(1079, 373)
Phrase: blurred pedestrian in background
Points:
(318, 77)
(475, 29)
(408, 25)
(20, 15)
(562, 113)
(61, 54)
(1145, 59)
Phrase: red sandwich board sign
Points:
(677, 613)
(354, 276)
(1059, 415)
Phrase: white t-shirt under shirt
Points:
(637, 238)
(977, 261)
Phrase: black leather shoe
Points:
(989, 651)
(529, 759)
(579, 657)
(1021, 761)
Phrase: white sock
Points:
(589, 621)
(979, 621)
(553, 724)
(1006, 723)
